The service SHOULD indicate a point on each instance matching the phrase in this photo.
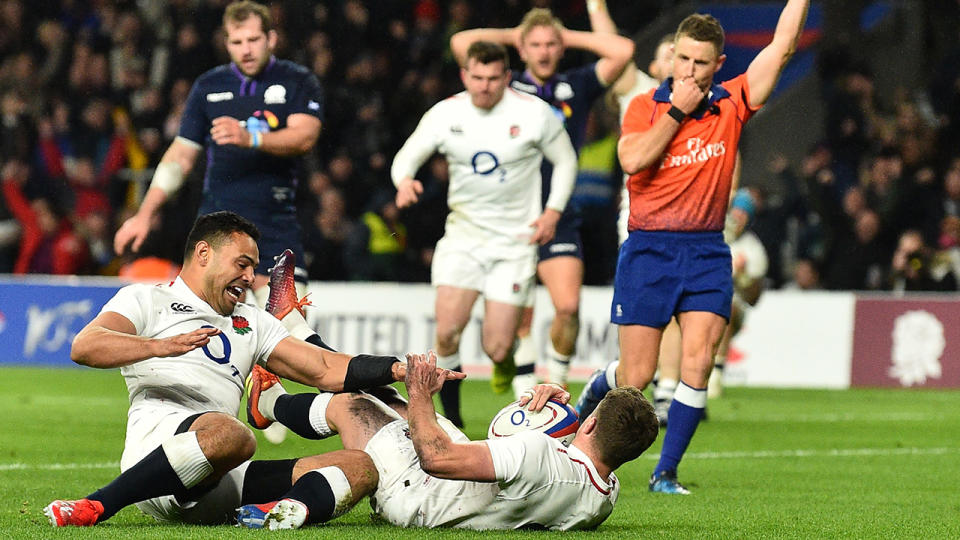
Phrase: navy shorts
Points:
(662, 273)
(566, 241)
(278, 231)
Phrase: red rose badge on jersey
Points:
(240, 325)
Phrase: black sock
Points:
(450, 399)
(316, 340)
(293, 411)
(313, 490)
(151, 477)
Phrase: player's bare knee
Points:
(497, 349)
(448, 340)
(226, 442)
(567, 312)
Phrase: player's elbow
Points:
(81, 353)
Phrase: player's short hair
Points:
(626, 425)
(215, 229)
(488, 52)
(539, 17)
(700, 27)
(237, 12)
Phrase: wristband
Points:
(676, 114)
(255, 139)
(367, 371)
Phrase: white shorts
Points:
(498, 277)
(148, 426)
(407, 496)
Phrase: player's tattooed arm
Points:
(439, 455)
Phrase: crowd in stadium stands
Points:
(91, 93)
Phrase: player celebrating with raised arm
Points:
(679, 146)
(541, 40)
(428, 474)
(185, 350)
(254, 115)
(494, 140)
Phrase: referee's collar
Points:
(716, 93)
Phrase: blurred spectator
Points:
(806, 276)
(377, 244)
(325, 237)
(917, 267)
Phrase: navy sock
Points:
(293, 411)
(151, 477)
(683, 423)
(313, 490)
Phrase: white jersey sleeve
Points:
(421, 144)
(558, 150)
(544, 484)
(131, 302)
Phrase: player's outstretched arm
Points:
(602, 23)
(615, 51)
(461, 41)
(175, 164)
(412, 155)
(308, 364)
(439, 455)
(110, 340)
(765, 69)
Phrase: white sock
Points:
(558, 365)
(340, 487)
(297, 325)
(268, 399)
(186, 458)
(526, 350)
(664, 390)
(611, 374)
(318, 414)
(449, 362)
(691, 397)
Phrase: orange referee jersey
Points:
(689, 188)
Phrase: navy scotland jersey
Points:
(571, 94)
(246, 180)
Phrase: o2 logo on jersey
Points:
(223, 360)
(261, 121)
(486, 163)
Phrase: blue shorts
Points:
(278, 231)
(662, 273)
(566, 241)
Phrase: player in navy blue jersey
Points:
(541, 40)
(254, 116)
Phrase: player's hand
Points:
(544, 227)
(423, 378)
(183, 343)
(227, 130)
(408, 192)
(401, 370)
(686, 94)
(134, 229)
(536, 398)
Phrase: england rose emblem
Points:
(240, 325)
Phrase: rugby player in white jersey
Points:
(185, 350)
(428, 474)
(494, 139)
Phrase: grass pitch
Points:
(767, 464)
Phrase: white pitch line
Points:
(835, 452)
(832, 417)
(57, 466)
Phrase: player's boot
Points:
(282, 514)
(666, 482)
(260, 381)
(502, 376)
(593, 392)
(80, 513)
(283, 288)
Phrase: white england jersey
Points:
(209, 378)
(494, 159)
(643, 84)
(540, 484)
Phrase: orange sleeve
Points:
(639, 115)
(740, 93)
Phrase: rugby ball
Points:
(555, 419)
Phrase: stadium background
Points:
(90, 94)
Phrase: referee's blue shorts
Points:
(662, 273)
